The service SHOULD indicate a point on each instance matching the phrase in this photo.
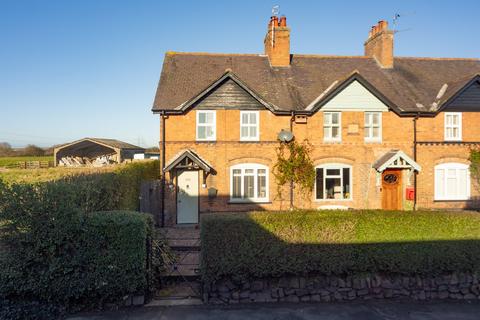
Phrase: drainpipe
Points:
(162, 167)
(415, 159)
(291, 181)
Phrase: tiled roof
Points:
(412, 85)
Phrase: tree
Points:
(33, 150)
(5, 149)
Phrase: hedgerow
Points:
(272, 244)
(71, 260)
(55, 255)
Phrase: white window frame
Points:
(214, 125)
(370, 126)
(446, 167)
(255, 167)
(248, 125)
(331, 125)
(340, 166)
(459, 126)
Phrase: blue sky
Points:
(71, 69)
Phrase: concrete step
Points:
(182, 270)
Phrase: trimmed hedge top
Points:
(264, 244)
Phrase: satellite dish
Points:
(285, 136)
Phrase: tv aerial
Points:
(275, 10)
(396, 18)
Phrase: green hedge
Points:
(60, 256)
(268, 244)
(68, 260)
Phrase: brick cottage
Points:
(386, 132)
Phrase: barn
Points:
(94, 152)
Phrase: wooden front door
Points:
(392, 189)
(187, 197)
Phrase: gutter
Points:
(291, 181)
(415, 159)
(162, 168)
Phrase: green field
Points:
(8, 162)
(41, 175)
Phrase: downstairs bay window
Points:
(249, 183)
(452, 181)
(333, 182)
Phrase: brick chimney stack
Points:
(380, 44)
(277, 42)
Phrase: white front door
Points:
(187, 197)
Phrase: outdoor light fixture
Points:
(285, 136)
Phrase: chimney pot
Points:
(274, 21)
(283, 21)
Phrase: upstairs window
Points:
(332, 126)
(206, 125)
(249, 183)
(333, 182)
(452, 181)
(453, 126)
(373, 126)
(249, 125)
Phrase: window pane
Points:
(335, 132)
(262, 186)
(333, 188)
(326, 132)
(249, 171)
(376, 118)
(439, 183)
(248, 182)
(253, 118)
(449, 133)
(244, 118)
(237, 187)
(376, 133)
(346, 183)
(333, 172)
(367, 132)
(209, 130)
(319, 183)
(462, 183)
(451, 187)
(262, 171)
(253, 132)
(209, 118)
(455, 120)
(244, 132)
(201, 117)
(327, 118)
(202, 133)
(335, 118)
(455, 133)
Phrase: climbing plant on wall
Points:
(294, 164)
(475, 165)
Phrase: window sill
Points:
(451, 200)
(205, 141)
(249, 202)
(453, 140)
(332, 200)
(249, 141)
(373, 141)
(332, 141)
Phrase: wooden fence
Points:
(34, 164)
(151, 198)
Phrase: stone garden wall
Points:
(333, 288)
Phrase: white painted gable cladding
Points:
(355, 97)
